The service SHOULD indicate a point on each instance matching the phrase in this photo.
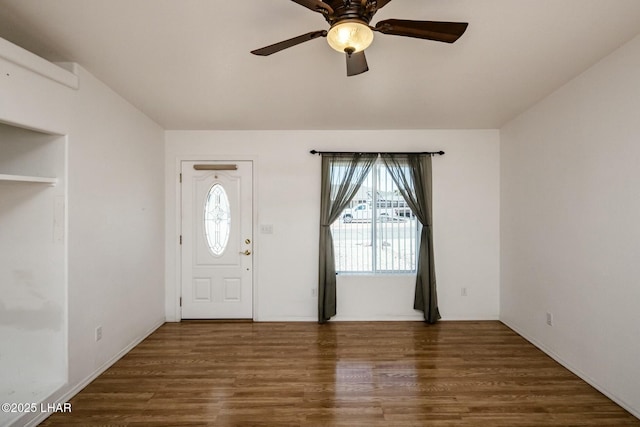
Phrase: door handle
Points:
(247, 252)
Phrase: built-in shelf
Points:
(25, 178)
(33, 391)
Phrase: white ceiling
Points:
(186, 63)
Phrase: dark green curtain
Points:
(342, 176)
(412, 175)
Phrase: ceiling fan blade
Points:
(315, 5)
(277, 47)
(447, 32)
(356, 63)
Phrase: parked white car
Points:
(364, 213)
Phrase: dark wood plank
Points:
(339, 374)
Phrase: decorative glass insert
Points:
(217, 219)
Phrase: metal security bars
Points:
(378, 233)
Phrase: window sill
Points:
(381, 274)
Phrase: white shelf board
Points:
(33, 179)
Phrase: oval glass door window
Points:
(217, 219)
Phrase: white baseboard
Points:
(479, 318)
(390, 318)
(274, 319)
(82, 384)
(413, 318)
(588, 379)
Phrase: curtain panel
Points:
(342, 176)
(412, 174)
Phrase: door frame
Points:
(178, 226)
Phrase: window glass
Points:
(217, 219)
(378, 232)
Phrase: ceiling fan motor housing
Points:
(350, 10)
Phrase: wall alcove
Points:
(33, 291)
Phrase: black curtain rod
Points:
(432, 153)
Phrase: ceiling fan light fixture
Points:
(350, 36)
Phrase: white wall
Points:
(115, 210)
(466, 220)
(116, 222)
(569, 222)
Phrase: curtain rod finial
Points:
(313, 152)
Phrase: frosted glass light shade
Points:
(348, 35)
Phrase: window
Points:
(378, 233)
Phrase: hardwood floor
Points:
(339, 374)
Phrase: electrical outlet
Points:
(463, 292)
(549, 319)
(98, 333)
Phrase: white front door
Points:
(217, 240)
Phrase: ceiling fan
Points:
(351, 33)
